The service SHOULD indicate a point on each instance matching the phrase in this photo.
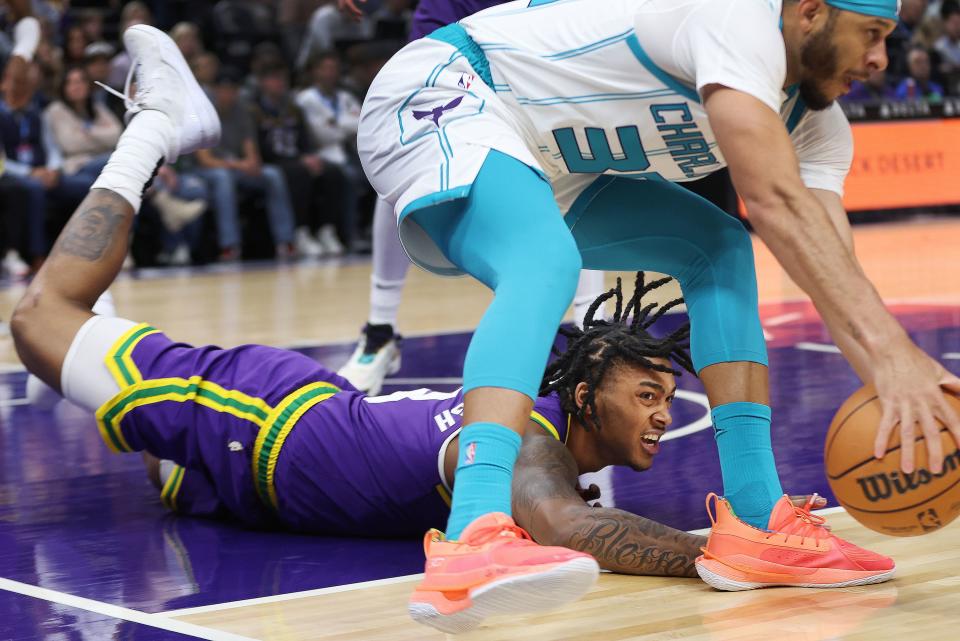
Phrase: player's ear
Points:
(580, 394)
(809, 11)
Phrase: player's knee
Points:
(555, 268)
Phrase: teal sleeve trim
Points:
(687, 92)
(456, 36)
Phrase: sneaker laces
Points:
(485, 534)
(805, 525)
(128, 102)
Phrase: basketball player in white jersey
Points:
(535, 138)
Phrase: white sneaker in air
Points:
(166, 84)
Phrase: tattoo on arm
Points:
(631, 544)
(90, 231)
(546, 504)
(545, 470)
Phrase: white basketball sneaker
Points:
(165, 83)
(377, 356)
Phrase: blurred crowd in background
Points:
(287, 78)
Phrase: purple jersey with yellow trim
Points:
(270, 436)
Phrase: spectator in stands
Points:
(49, 59)
(74, 44)
(327, 27)
(292, 18)
(32, 177)
(205, 67)
(91, 21)
(240, 24)
(135, 12)
(948, 45)
(918, 86)
(316, 187)
(900, 41)
(187, 37)
(332, 115)
(234, 164)
(85, 132)
(96, 61)
(875, 89)
(181, 199)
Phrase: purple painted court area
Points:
(80, 520)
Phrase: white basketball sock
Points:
(141, 149)
(390, 265)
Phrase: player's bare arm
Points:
(800, 233)
(83, 263)
(546, 503)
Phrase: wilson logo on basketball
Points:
(878, 487)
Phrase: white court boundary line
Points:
(292, 596)
(118, 612)
(351, 587)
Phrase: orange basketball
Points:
(878, 493)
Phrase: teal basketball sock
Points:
(484, 473)
(750, 479)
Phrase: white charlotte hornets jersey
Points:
(612, 86)
(577, 89)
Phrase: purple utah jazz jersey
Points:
(433, 14)
(361, 464)
(267, 435)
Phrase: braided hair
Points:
(624, 339)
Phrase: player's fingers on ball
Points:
(908, 435)
(931, 434)
(884, 430)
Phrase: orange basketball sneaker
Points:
(495, 568)
(796, 551)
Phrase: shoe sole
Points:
(714, 577)
(514, 595)
(195, 101)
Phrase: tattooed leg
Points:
(84, 262)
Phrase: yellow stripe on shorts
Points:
(119, 359)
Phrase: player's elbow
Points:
(24, 318)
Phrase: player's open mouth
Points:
(651, 441)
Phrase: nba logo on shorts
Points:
(929, 520)
(466, 79)
(471, 454)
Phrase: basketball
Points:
(877, 493)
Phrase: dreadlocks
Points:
(623, 339)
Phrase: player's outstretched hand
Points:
(350, 8)
(910, 385)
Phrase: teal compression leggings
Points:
(509, 234)
(623, 224)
